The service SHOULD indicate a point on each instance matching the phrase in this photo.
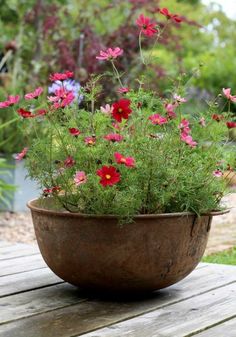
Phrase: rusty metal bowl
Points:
(96, 253)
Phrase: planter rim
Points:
(31, 205)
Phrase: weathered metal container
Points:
(96, 253)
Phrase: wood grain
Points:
(163, 309)
(26, 281)
(21, 264)
(227, 329)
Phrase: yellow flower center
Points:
(108, 176)
(120, 110)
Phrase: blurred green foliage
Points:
(38, 42)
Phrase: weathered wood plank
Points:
(227, 329)
(17, 250)
(38, 301)
(20, 305)
(90, 315)
(180, 319)
(29, 280)
(21, 264)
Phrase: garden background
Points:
(39, 37)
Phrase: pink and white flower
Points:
(202, 121)
(157, 119)
(114, 137)
(10, 101)
(123, 90)
(217, 173)
(80, 178)
(35, 94)
(110, 54)
(188, 139)
(62, 98)
(170, 110)
(107, 110)
(179, 99)
(184, 126)
(227, 93)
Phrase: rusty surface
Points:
(95, 253)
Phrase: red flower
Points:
(35, 94)
(169, 16)
(27, 114)
(90, 140)
(231, 125)
(61, 76)
(127, 161)
(114, 137)
(147, 28)
(22, 154)
(41, 112)
(109, 175)
(69, 162)
(121, 109)
(74, 132)
(217, 118)
(157, 119)
(48, 191)
(62, 98)
(24, 113)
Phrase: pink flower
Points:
(69, 162)
(231, 125)
(110, 54)
(107, 110)
(227, 93)
(218, 173)
(157, 119)
(35, 94)
(202, 121)
(62, 98)
(127, 161)
(90, 140)
(114, 137)
(188, 140)
(22, 154)
(179, 99)
(61, 76)
(170, 110)
(10, 101)
(147, 27)
(123, 90)
(80, 178)
(184, 126)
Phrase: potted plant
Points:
(129, 189)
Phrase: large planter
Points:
(96, 253)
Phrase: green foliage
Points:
(169, 175)
(225, 257)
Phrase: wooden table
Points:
(36, 303)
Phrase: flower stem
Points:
(140, 47)
(116, 72)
